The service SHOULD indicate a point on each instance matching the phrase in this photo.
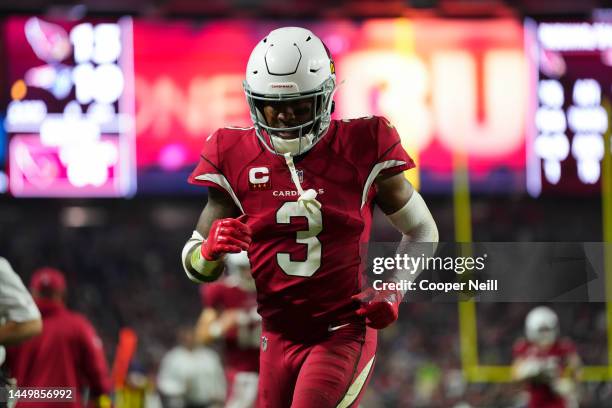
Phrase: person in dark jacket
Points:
(68, 353)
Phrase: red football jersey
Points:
(306, 265)
(540, 394)
(241, 351)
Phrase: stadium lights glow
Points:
(589, 171)
(88, 162)
(550, 120)
(103, 83)
(553, 147)
(83, 77)
(25, 115)
(3, 182)
(587, 119)
(100, 44)
(101, 113)
(76, 217)
(586, 92)
(82, 40)
(108, 43)
(108, 83)
(59, 131)
(73, 152)
(552, 171)
(456, 108)
(404, 102)
(550, 93)
(588, 146)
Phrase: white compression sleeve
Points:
(16, 303)
(415, 220)
(416, 224)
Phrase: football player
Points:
(230, 314)
(297, 191)
(547, 364)
(68, 353)
(19, 316)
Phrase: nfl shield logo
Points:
(300, 174)
(264, 343)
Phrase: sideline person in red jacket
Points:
(68, 353)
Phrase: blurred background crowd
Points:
(120, 259)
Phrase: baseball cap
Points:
(48, 279)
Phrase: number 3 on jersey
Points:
(308, 237)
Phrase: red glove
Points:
(380, 308)
(227, 235)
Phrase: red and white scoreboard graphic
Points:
(572, 75)
(70, 116)
(93, 101)
(446, 85)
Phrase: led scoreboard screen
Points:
(572, 77)
(447, 85)
(97, 105)
(70, 116)
(3, 160)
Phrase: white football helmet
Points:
(290, 64)
(542, 326)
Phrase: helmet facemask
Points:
(546, 335)
(307, 134)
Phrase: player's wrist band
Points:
(203, 266)
(198, 268)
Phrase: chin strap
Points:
(307, 198)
